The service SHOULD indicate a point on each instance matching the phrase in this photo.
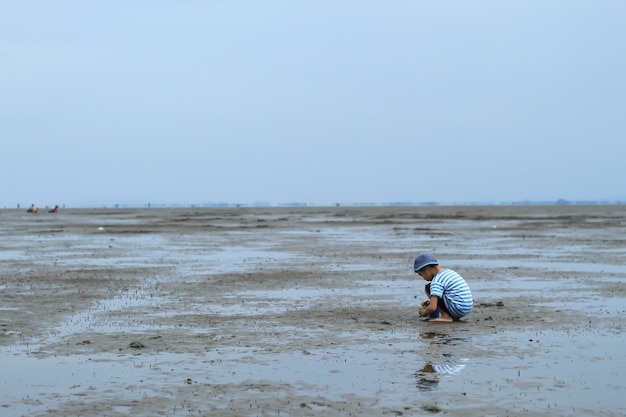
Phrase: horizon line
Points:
(260, 204)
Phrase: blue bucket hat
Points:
(424, 259)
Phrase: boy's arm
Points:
(431, 307)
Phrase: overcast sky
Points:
(196, 101)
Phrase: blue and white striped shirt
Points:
(452, 289)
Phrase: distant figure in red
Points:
(32, 209)
(54, 209)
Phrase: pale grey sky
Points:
(189, 101)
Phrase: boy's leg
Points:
(445, 315)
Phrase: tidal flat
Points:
(310, 311)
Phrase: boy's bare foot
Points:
(442, 320)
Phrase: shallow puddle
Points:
(530, 371)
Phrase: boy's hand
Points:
(425, 303)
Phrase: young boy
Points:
(447, 291)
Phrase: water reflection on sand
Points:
(443, 361)
(429, 376)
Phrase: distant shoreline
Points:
(559, 202)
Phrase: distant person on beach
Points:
(54, 209)
(449, 296)
(32, 209)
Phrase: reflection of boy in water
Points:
(447, 291)
(427, 379)
(429, 376)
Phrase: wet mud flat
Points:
(310, 312)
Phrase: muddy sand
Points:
(311, 312)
